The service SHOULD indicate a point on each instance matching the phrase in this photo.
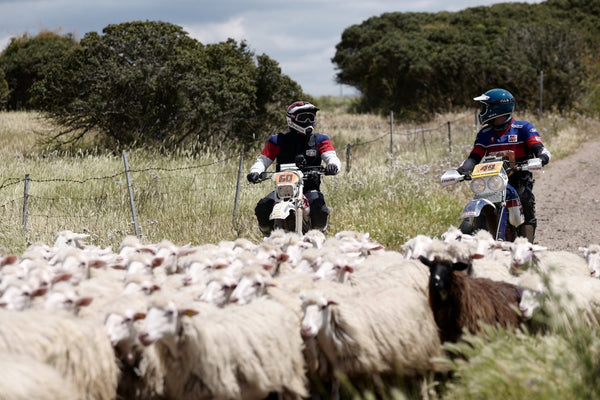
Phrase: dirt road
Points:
(568, 200)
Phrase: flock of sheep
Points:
(291, 316)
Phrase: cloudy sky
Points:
(300, 35)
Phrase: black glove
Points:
(331, 169)
(253, 177)
(463, 171)
(545, 159)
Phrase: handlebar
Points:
(308, 172)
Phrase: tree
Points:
(148, 83)
(3, 90)
(26, 59)
(417, 64)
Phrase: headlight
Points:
(495, 183)
(478, 185)
(285, 191)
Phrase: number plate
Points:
(486, 169)
(286, 178)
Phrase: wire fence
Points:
(133, 201)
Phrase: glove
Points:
(253, 177)
(463, 171)
(331, 169)
(545, 159)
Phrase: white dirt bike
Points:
(291, 211)
(496, 206)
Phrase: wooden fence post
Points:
(133, 213)
(25, 202)
(237, 189)
(348, 150)
(449, 138)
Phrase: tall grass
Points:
(388, 187)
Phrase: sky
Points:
(300, 35)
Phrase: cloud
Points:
(218, 31)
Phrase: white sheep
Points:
(578, 296)
(78, 349)
(25, 378)
(416, 246)
(228, 353)
(526, 255)
(592, 257)
(377, 332)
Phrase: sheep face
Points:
(440, 278)
(316, 314)
(529, 303)
(159, 323)
(218, 291)
(250, 287)
(523, 254)
(592, 256)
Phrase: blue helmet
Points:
(495, 103)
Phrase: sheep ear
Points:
(188, 312)
(537, 247)
(332, 302)
(138, 316)
(84, 301)
(426, 261)
(460, 266)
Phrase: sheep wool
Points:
(78, 349)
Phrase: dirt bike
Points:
(291, 211)
(496, 206)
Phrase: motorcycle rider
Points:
(301, 139)
(501, 131)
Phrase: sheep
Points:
(416, 246)
(78, 349)
(389, 269)
(24, 378)
(526, 255)
(565, 295)
(227, 353)
(376, 333)
(592, 257)
(459, 301)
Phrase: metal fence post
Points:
(130, 188)
(25, 202)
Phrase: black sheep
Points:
(459, 301)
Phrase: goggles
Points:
(306, 117)
(483, 108)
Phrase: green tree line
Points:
(421, 63)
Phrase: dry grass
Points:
(391, 192)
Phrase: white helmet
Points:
(302, 117)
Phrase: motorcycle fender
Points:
(281, 210)
(474, 207)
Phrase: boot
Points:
(265, 230)
(527, 231)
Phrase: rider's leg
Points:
(263, 211)
(527, 229)
(319, 212)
